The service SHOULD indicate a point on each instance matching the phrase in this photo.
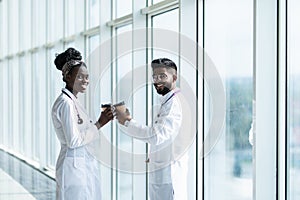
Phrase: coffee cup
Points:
(120, 107)
(105, 106)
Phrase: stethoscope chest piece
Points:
(79, 121)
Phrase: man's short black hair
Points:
(163, 62)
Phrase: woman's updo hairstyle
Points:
(69, 54)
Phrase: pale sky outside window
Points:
(55, 23)
(169, 21)
(233, 28)
(229, 43)
(94, 7)
(123, 67)
(124, 7)
(70, 18)
(294, 99)
(294, 37)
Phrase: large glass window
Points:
(74, 17)
(124, 142)
(25, 24)
(70, 19)
(38, 22)
(1, 104)
(168, 21)
(93, 13)
(22, 93)
(9, 104)
(13, 28)
(4, 24)
(100, 93)
(228, 42)
(1, 25)
(55, 20)
(26, 104)
(293, 100)
(14, 76)
(56, 82)
(124, 7)
(5, 101)
(39, 103)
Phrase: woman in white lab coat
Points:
(77, 173)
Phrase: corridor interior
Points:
(19, 181)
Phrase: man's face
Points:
(164, 80)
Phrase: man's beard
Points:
(164, 90)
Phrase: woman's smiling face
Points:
(78, 79)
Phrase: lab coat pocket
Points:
(75, 172)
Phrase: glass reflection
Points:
(124, 142)
(293, 100)
(228, 42)
(124, 7)
(93, 11)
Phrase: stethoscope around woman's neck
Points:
(80, 120)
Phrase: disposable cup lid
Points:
(105, 105)
(120, 103)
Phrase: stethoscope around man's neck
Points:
(170, 97)
(80, 120)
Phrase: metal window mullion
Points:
(68, 39)
(113, 97)
(122, 21)
(266, 89)
(49, 45)
(282, 142)
(91, 32)
(254, 100)
(283, 136)
(200, 170)
(160, 7)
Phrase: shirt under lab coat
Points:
(77, 172)
(164, 166)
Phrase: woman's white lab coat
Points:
(77, 172)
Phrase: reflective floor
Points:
(20, 181)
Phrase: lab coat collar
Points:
(164, 98)
(70, 94)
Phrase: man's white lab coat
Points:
(166, 171)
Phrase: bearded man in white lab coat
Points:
(167, 177)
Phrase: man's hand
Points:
(123, 116)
